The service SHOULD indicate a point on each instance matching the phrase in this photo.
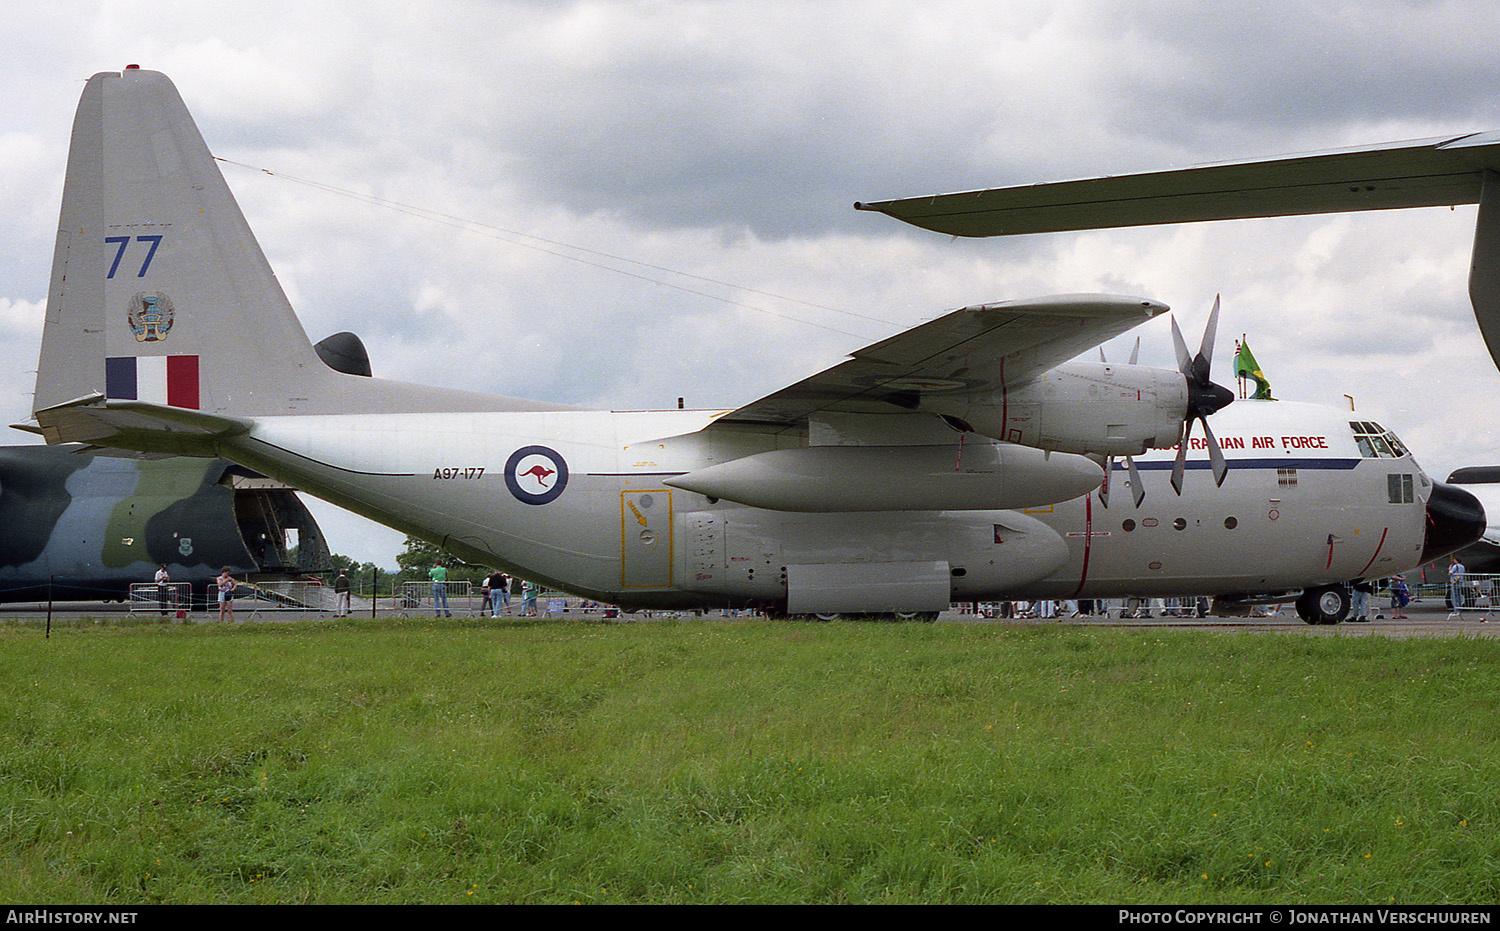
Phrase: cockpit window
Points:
(1375, 442)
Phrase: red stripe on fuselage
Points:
(1088, 541)
(1378, 547)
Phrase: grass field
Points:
(742, 761)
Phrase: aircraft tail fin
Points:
(157, 280)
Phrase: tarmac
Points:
(1430, 618)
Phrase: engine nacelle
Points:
(957, 477)
(1085, 407)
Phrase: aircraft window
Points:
(1180, 523)
(1128, 526)
(1230, 523)
(1399, 489)
(1374, 442)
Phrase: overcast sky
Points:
(623, 203)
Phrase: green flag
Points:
(1245, 366)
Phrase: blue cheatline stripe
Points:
(1162, 465)
(119, 378)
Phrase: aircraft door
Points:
(646, 544)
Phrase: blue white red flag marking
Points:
(170, 380)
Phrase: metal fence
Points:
(1191, 606)
(1477, 592)
(176, 598)
(166, 599)
(454, 597)
(284, 596)
(464, 599)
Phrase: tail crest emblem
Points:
(150, 316)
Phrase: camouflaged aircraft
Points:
(85, 527)
(964, 459)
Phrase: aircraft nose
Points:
(1455, 519)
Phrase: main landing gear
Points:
(925, 617)
(1328, 604)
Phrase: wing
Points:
(1419, 173)
(973, 351)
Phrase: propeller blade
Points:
(1109, 469)
(1210, 333)
(1136, 488)
(1135, 353)
(1216, 459)
(1184, 361)
(1180, 465)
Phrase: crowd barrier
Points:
(1477, 592)
(165, 599)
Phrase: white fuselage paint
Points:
(1300, 507)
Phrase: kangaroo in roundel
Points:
(540, 473)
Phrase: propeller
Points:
(1135, 353)
(1204, 398)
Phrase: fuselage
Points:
(88, 527)
(579, 499)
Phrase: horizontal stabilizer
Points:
(137, 425)
(1432, 172)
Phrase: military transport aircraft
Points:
(963, 459)
(85, 527)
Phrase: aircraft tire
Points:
(926, 617)
(1328, 604)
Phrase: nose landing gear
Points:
(1328, 604)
